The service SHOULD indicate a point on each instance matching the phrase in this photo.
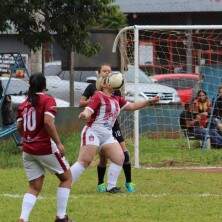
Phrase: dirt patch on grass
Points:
(208, 170)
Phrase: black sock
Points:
(127, 171)
(101, 173)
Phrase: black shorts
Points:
(117, 132)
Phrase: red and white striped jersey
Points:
(105, 109)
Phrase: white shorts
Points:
(35, 164)
(97, 136)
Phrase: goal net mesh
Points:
(194, 56)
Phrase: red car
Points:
(185, 84)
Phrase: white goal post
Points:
(158, 49)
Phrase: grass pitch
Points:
(162, 195)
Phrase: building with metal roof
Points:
(172, 12)
(169, 6)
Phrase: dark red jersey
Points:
(36, 140)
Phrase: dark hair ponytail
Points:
(37, 83)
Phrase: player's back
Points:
(35, 138)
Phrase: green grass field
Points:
(162, 194)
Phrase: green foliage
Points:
(37, 21)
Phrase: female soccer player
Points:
(101, 114)
(104, 71)
(42, 148)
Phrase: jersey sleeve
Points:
(94, 102)
(50, 107)
(89, 91)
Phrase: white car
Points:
(147, 89)
(18, 89)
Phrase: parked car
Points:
(60, 88)
(147, 89)
(186, 84)
(18, 89)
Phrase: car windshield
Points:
(16, 86)
(179, 83)
(143, 78)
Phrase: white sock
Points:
(62, 200)
(113, 174)
(76, 169)
(27, 205)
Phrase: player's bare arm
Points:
(86, 113)
(19, 126)
(141, 104)
(51, 130)
(83, 101)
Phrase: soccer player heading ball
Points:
(101, 112)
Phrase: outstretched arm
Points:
(86, 113)
(141, 104)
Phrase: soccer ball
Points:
(116, 80)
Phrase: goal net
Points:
(173, 62)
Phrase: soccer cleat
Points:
(130, 187)
(65, 219)
(101, 188)
(21, 220)
(114, 190)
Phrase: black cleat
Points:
(66, 219)
(114, 190)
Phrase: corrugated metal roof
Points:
(155, 6)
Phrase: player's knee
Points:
(85, 162)
(35, 187)
(121, 160)
(102, 162)
(126, 157)
(66, 177)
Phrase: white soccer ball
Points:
(116, 80)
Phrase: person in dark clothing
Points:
(216, 124)
(1, 89)
(105, 70)
(190, 121)
(8, 116)
(217, 112)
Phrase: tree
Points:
(39, 21)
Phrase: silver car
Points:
(147, 89)
(60, 88)
(18, 89)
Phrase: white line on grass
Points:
(81, 196)
(183, 168)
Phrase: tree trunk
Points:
(71, 79)
(43, 60)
